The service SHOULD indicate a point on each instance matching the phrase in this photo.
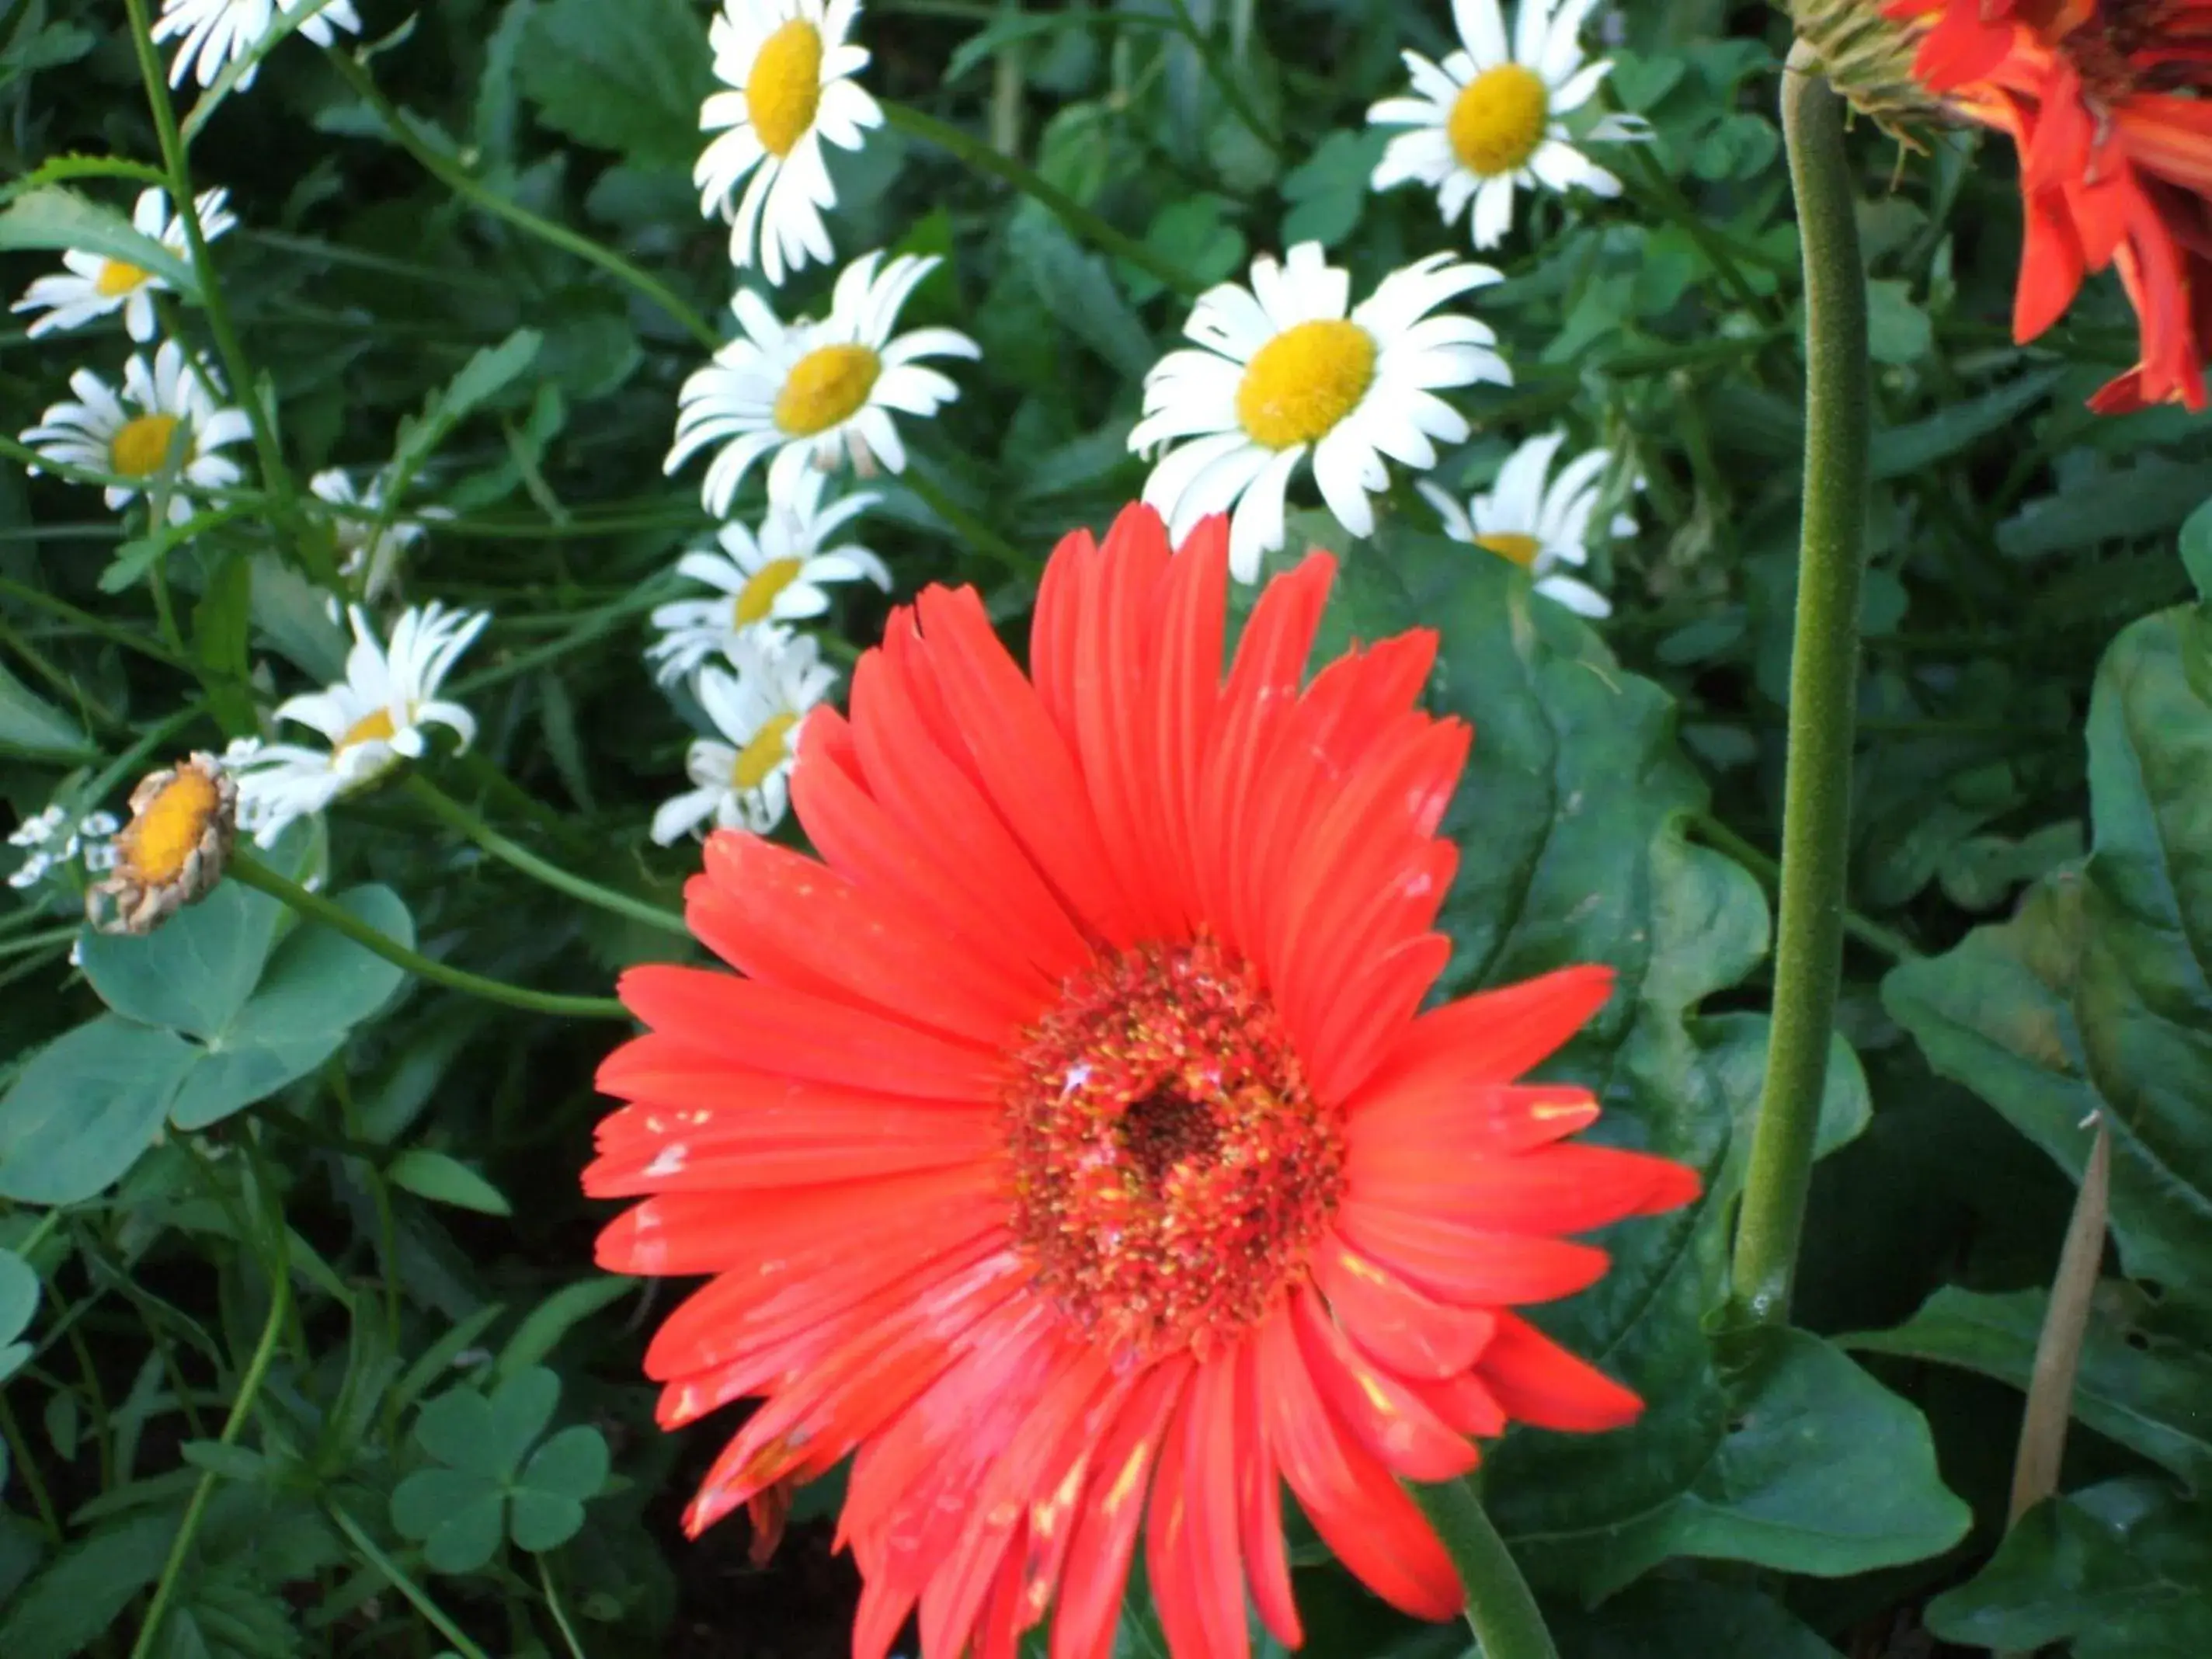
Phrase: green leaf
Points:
(443, 1180)
(521, 1406)
(2123, 1570)
(1328, 192)
(458, 1518)
(1898, 330)
(549, 1499)
(67, 1607)
(543, 1328)
(1193, 234)
(2147, 499)
(1571, 816)
(1078, 288)
(628, 77)
(2092, 1002)
(1687, 1618)
(456, 1428)
(483, 378)
(55, 218)
(33, 726)
(194, 974)
(1818, 1470)
(2196, 549)
(18, 1301)
(84, 1108)
(1898, 450)
(288, 609)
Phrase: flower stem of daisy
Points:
(1500, 1609)
(1823, 683)
(251, 872)
(274, 473)
(458, 817)
(457, 178)
(1062, 206)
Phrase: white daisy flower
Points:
(368, 559)
(782, 575)
(1488, 119)
(1536, 528)
(166, 417)
(372, 720)
(94, 284)
(816, 391)
(788, 70)
(1283, 373)
(217, 31)
(745, 782)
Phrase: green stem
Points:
(279, 1298)
(1065, 207)
(458, 179)
(1823, 679)
(274, 473)
(553, 1606)
(251, 872)
(1500, 1610)
(19, 1446)
(458, 819)
(416, 1595)
(1868, 932)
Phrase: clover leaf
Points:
(487, 1482)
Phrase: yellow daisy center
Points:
(1516, 545)
(1303, 381)
(786, 86)
(376, 726)
(139, 446)
(770, 748)
(1499, 119)
(119, 276)
(758, 596)
(162, 837)
(826, 386)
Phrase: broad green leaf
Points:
(82, 1591)
(195, 973)
(79, 1114)
(2196, 549)
(2092, 1001)
(2123, 1570)
(1898, 330)
(458, 1518)
(548, 1497)
(444, 1179)
(29, 723)
(456, 1428)
(288, 610)
(2146, 1392)
(1570, 821)
(18, 1301)
(2147, 499)
(1328, 192)
(521, 1406)
(628, 77)
(1686, 1619)
(55, 217)
(1898, 450)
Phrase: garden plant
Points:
(1126, 828)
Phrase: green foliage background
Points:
(246, 1162)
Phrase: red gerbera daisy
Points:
(1067, 1150)
(2107, 103)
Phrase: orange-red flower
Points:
(1067, 1150)
(2110, 105)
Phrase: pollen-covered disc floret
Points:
(1170, 1166)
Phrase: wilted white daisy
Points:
(816, 391)
(1536, 528)
(94, 284)
(782, 575)
(369, 557)
(760, 708)
(217, 31)
(167, 417)
(53, 838)
(1487, 118)
(1282, 372)
(788, 69)
(372, 720)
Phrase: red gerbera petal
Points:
(1067, 1149)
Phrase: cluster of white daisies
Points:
(1281, 370)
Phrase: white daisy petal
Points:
(218, 33)
(758, 705)
(158, 439)
(1538, 527)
